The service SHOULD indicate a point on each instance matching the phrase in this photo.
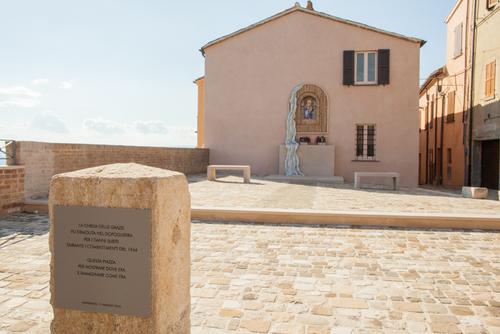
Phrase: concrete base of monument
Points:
(314, 159)
(306, 179)
(350, 218)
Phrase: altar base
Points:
(315, 160)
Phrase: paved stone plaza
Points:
(295, 279)
(229, 191)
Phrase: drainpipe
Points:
(427, 142)
(442, 136)
(471, 97)
(435, 121)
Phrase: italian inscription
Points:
(103, 259)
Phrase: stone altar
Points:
(315, 160)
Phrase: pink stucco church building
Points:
(348, 90)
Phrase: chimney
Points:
(310, 5)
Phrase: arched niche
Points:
(312, 110)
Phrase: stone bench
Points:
(358, 175)
(212, 170)
(475, 192)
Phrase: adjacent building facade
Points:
(458, 106)
(485, 116)
(443, 100)
(358, 91)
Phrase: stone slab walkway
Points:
(229, 191)
(295, 279)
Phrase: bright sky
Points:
(122, 71)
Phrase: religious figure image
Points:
(309, 108)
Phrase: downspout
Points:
(435, 121)
(427, 144)
(471, 97)
(442, 136)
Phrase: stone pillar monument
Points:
(292, 167)
(119, 242)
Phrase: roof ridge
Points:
(311, 12)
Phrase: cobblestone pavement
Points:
(229, 191)
(295, 279)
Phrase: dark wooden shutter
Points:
(384, 67)
(348, 68)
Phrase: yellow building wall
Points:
(201, 110)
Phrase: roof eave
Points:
(367, 27)
(198, 79)
(453, 10)
(252, 26)
(434, 75)
(312, 12)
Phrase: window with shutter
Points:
(384, 66)
(450, 114)
(490, 80)
(431, 118)
(349, 68)
(427, 117)
(366, 68)
(458, 41)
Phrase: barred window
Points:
(365, 141)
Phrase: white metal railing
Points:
(4, 156)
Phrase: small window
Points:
(450, 114)
(365, 142)
(427, 117)
(490, 80)
(366, 68)
(431, 118)
(491, 3)
(422, 124)
(458, 40)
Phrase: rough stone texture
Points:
(475, 192)
(135, 186)
(11, 189)
(299, 279)
(43, 160)
(230, 192)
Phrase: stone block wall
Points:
(43, 160)
(11, 189)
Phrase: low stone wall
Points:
(43, 160)
(11, 189)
